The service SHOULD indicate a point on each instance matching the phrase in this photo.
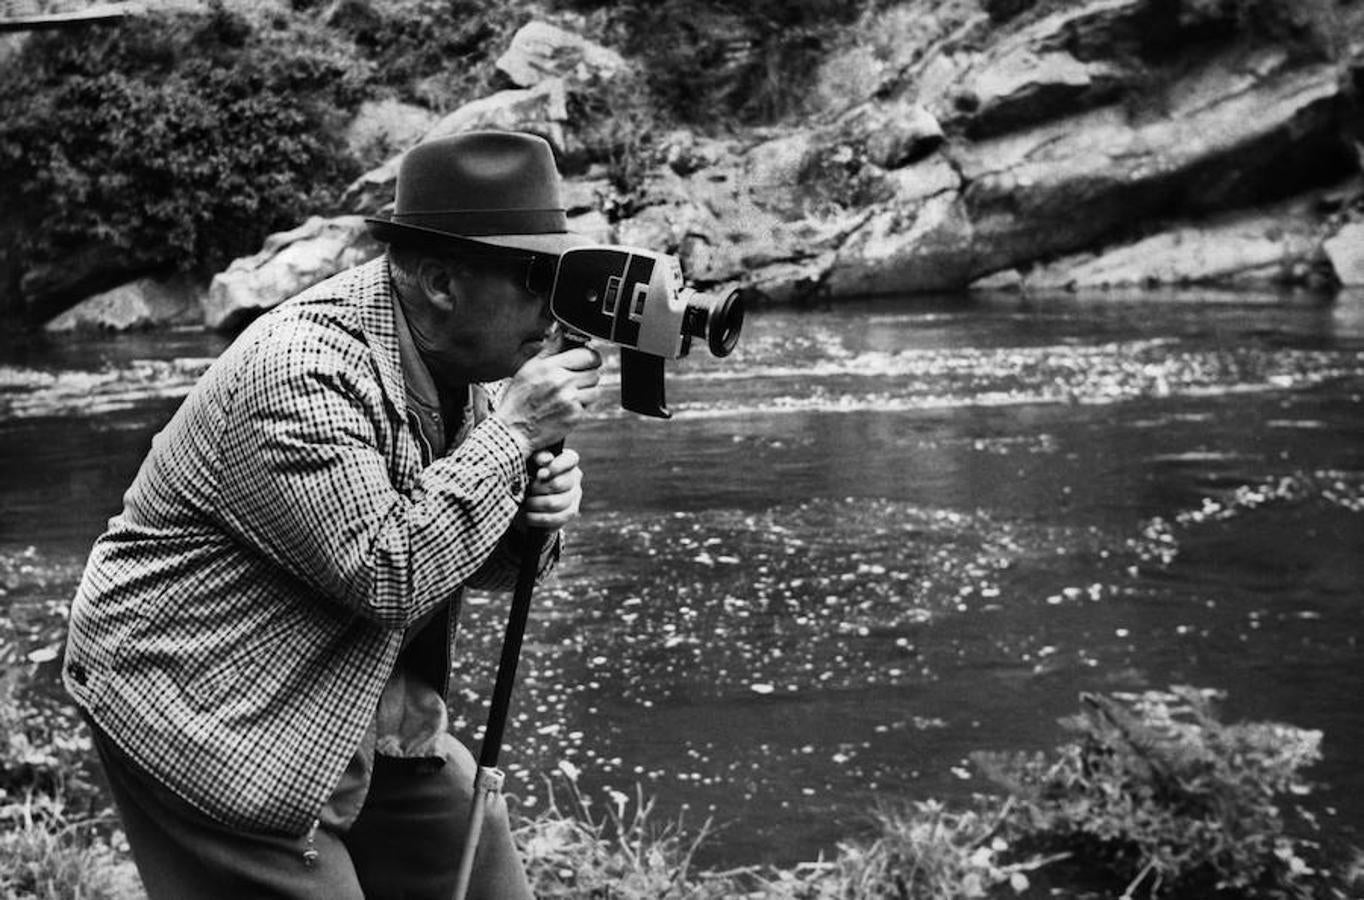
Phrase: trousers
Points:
(405, 844)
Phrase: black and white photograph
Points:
(681, 449)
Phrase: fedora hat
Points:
(495, 188)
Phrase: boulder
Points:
(542, 110)
(141, 304)
(1345, 250)
(289, 262)
(1073, 59)
(893, 134)
(593, 224)
(49, 288)
(540, 51)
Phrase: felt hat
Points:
(496, 188)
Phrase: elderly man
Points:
(261, 640)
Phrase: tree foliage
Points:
(180, 138)
(719, 62)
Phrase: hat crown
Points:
(481, 183)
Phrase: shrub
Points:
(438, 53)
(1159, 793)
(721, 62)
(178, 139)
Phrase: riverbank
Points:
(1157, 795)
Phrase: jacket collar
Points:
(371, 295)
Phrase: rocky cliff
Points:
(963, 144)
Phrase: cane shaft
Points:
(487, 784)
(498, 708)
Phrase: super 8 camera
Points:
(637, 299)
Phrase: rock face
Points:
(1068, 135)
(289, 262)
(1273, 245)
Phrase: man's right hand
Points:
(548, 396)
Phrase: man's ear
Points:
(436, 282)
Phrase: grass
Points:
(47, 858)
(1156, 799)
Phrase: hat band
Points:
(487, 221)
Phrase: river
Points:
(875, 539)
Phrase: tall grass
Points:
(1156, 800)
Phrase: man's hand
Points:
(549, 395)
(556, 491)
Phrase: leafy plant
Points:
(617, 127)
(1159, 794)
(179, 139)
(438, 53)
(720, 62)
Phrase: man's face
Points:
(501, 324)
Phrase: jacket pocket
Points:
(213, 684)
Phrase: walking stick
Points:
(488, 781)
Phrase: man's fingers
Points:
(548, 466)
(561, 483)
(578, 359)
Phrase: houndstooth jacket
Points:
(236, 624)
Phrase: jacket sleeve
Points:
(503, 567)
(304, 479)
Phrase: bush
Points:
(438, 53)
(1159, 793)
(178, 139)
(721, 62)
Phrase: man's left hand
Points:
(556, 492)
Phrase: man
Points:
(261, 641)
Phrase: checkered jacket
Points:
(236, 624)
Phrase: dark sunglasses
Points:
(538, 270)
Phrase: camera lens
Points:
(718, 321)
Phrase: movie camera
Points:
(637, 299)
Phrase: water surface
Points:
(877, 538)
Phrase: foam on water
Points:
(26, 393)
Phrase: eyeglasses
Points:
(538, 273)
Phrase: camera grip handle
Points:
(641, 384)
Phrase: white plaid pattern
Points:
(237, 622)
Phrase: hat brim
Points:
(549, 244)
